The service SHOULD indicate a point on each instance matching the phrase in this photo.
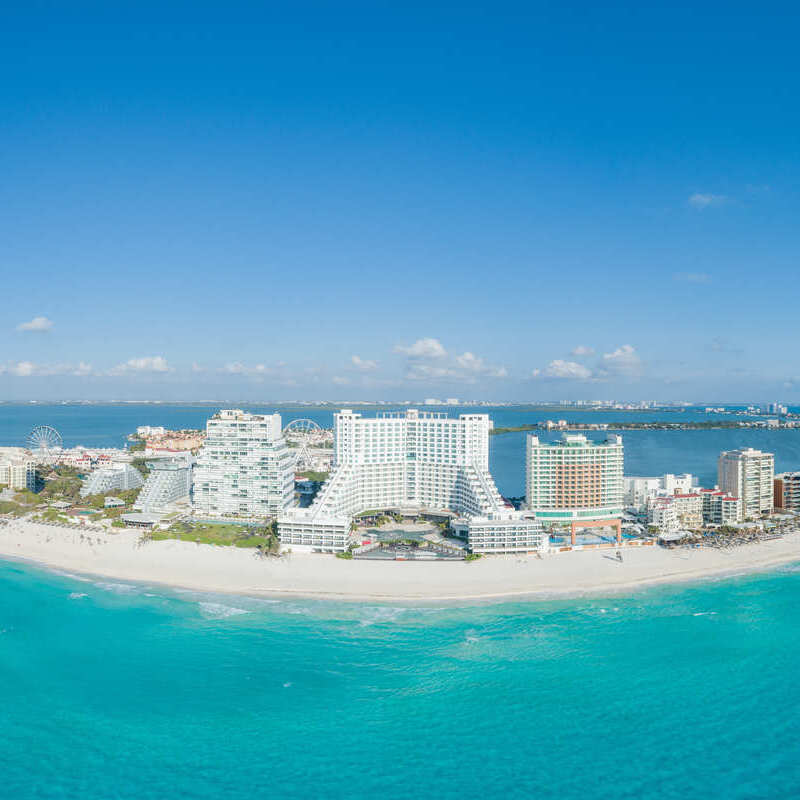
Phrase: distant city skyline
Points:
(517, 202)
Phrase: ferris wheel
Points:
(301, 427)
(299, 433)
(45, 443)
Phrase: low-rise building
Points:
(637, 491)
(689, 509)
(169, 481)
(110, 478)
(720, 508)
(661, 514)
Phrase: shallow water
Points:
(110, 689)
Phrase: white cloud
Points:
(141, 365)
(623, 361)
(198, 367)
(237, 368)
(27, 369)
(582, 350)
(82, 369)
(23, 369)
(423, 348)
(477, 366)
(569, 370)
(340, 381)
(428, 360)
(692, 277)
(701, 200)
(39, 324)
(419, 371)
(363, 364)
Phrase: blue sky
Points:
(344, 201)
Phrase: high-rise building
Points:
(411, 460)
(749, 475)
(575, 481)
(244, 468)
(787, 491)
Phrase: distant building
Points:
(575, 481)
(169, 481)
(786, 495)
(244, 468)
(110, 478)
(749, 475)
(146, 431)
(17, 468)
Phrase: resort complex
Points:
(418, 461)
(423, 475)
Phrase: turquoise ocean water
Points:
(112, 690)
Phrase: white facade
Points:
(661, 514)
(169, 481)
(410, 460)
(17, 468)
(749, 475)
(111, 478)
(244, 468)
(638, 491)
(146, 431)
(574, 479)
(721, 508)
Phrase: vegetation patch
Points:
(260, 538)
(317, 477)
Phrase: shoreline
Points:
(236, 571)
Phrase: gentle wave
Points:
(220, 610)
(119, 588)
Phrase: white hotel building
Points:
(244, 468)
(411, 460)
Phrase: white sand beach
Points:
(236, 570)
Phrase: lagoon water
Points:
(112, 690)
